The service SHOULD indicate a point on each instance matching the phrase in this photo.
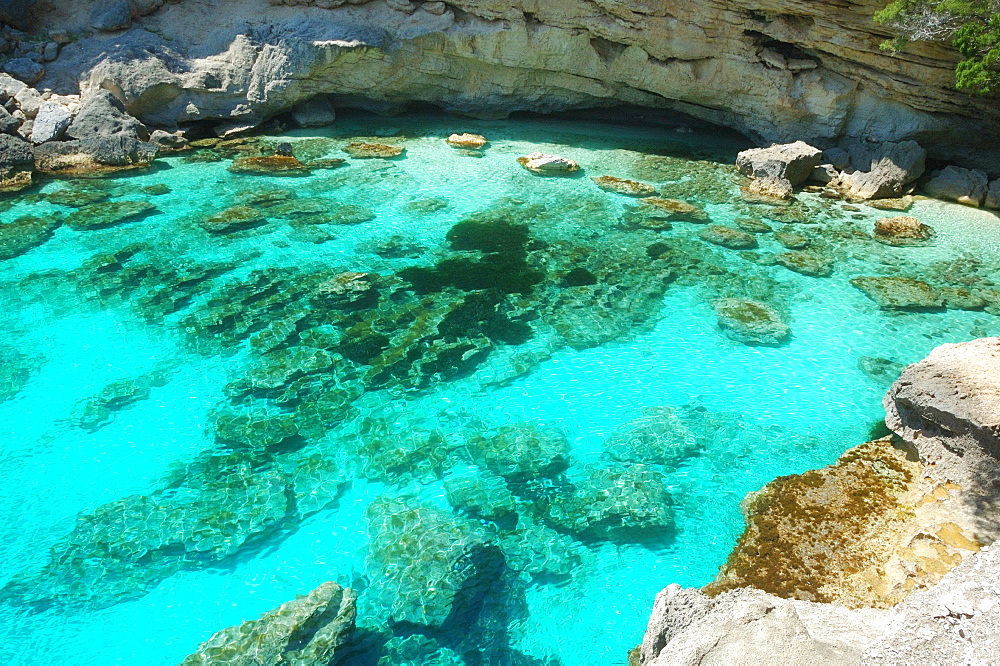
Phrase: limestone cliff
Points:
(774, 69)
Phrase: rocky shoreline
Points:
(892, 541)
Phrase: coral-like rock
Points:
(734, 239)
(751, 322)
(901, 231)
(548, 165)
(363, 150)
(899, 293)
(791, 240)
(631, 188)
(270, 165)
(306, 631)
(753, 225)
(235, 218)
(108, 214)
(768, 190)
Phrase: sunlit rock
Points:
(631, 188)
(548, 165)
(901, 231)
(236, 218)
(751, 322)
(364, 150)
(899, 293)
(277, 165)
(734, 239)
(468, 141)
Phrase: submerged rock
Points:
(632, 188)
(94, 156)
(901, 231)
(349, 290)
(468, 141)
(274, 165)
(658, 437)
(753, 225)
(898, 293)
(25, 233)
(521, 452)
(363, 150)
(806, 263)
(734, 239)
(676, 210)
(108, 214)
(880, 370)
(306, 631)
(626, 504)
(548, 165)
(15, 371)
(791, 240)
(751, 322)
(768, 191)
(96, 412)
(427, 565)
(236, 218)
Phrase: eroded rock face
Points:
(826, 78)
(966, 186)
(307, 630)
(883, 171)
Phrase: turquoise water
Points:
(433, 401)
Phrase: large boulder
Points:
(966, 186)
(901, 231)
(94, 155)
(103, 114)
(16, 163)
(50, 123)
(8, 123)
(793, 162)
(307, 630)
(883, 171)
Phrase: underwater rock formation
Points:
(235, 218)
(902, 231)
(727, 237)
(548, 165)
(25, 233)
(467, 140)
(631, 188)
(897, 293)
(15, 371)
(303, 632)
(658, 437)
(108, 214)
(522, 451)
(270, 165)
(806, 263)
(96, 412)
(751, 322)
(364, 150)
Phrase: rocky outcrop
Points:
(17, 163)
(793, 162)
(966, 186)
(99, 154)
(308, 630)
(882, 171)
(777, 71)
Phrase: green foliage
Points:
(972, 26)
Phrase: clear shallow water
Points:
(591, 365)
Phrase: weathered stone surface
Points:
(95, 155)
(111, 15)
(883, 171)
(793, 162)
(753, 225)
(467, 140)
(897, 293)
(235, 218)
(548, 165)
(270, 165)
(103, 114)
(17, 163)
(169, 140)
(992, 200)
(768, 190)
(734, 239)
(15, 12)
(955, 622)
(751, 322)
(675, 210)
(25, 233)
(629, 188)
(8, 123)
(28, 101)
(900, 231)
(304, 632)
(108, 214)
(966, 186)
(792, 240)
(50, 123)
(750, 627)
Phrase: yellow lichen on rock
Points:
(863, 533)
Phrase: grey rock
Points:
(16, 163)
(50, 52)
(883, 171)
(316, 112)
(992, 200)
(966, 186)
(825, 173)
(28, 101)
(165, 139)
(111, 15)
(793, 162)
(838, 158)
(9, 86)
(50, 123)
(103, 114)
(25, 69)
(94, 153)
(307, 630)
(24, 131)
(8, 123)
